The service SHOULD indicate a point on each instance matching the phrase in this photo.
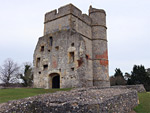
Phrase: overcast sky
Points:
(128, 22)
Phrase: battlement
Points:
(70, 17)
(67, 10)
(94, 10)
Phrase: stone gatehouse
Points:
(73, 50)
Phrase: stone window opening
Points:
(87, 57)
(49, 50)
(39, 72)
(57, 48)
(42, 48)
(51, 41)
(72, 44)
(45, 66)
(80, 62)
(71, 57)
(38, 62)
(59, 70)
(72, 69)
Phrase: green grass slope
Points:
(19, 93)
(144, 106)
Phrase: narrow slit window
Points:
(72, 69)
(38, 62)
(42, 48)
(71, 57)
(87, 57)
(45, 66)
(51, 41)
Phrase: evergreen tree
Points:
(27, 76)
(139, 76)
(148, 71)
(118, 72)
(118, 78)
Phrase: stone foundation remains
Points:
(139, 88)
(83, 100)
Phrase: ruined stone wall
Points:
(81, 26)
(57, 56)
(70, 17)
(91, 58)
(84, 100)
(62, 23)
(139, 88)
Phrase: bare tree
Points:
(9, 71)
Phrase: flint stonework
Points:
(73, 51)
(82, 100)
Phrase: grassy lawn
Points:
(144, 106)
(19, 93)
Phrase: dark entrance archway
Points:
(56, 81)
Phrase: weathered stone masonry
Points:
(73, 51)
(81, 100)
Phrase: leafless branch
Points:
(9, 71)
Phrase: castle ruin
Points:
(73, 51)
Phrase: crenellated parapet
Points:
(67, 10)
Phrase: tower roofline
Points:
(69, 9)
(94, 10)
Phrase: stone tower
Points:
(73, 50)
(99, 45)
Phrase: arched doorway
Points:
(56, 81)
